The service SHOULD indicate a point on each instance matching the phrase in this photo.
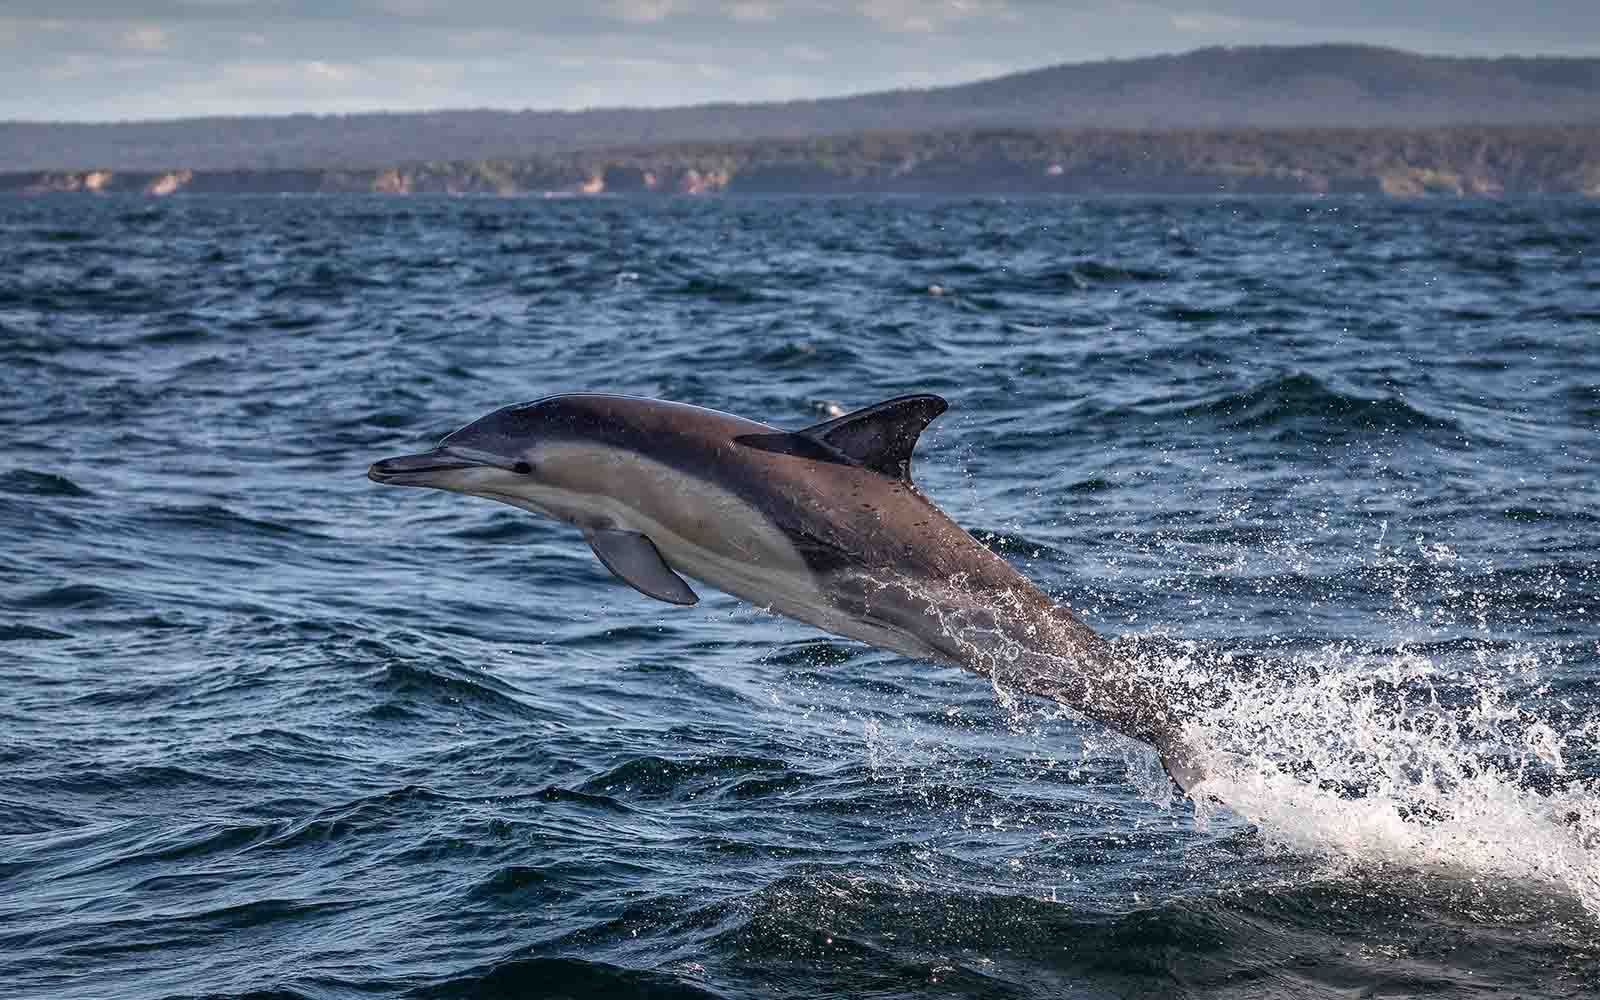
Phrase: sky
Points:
(105, 60)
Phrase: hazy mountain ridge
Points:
(1461, 161)
(1320, 86)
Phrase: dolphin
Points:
(823, 525)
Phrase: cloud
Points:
(802, 53)
(925, 16)
(752, 10)
(145, 38)
(408, 8)
(1205, 23)
(319, 70)
(645, 11)
(93, 59)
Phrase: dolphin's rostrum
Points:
(822, 525)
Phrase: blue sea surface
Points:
(270, 730)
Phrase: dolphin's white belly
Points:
(717, 537)
(739, 551)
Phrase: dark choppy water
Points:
(268, 729)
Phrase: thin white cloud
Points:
(803, 53)
(97, 67)
(926, 16)
(752, 10)
(646, 11)
(408, 8)
(316, 69)
(480, 39)
(145, 38)
(21, 27)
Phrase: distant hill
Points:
(1260, 87)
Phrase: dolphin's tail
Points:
(1182, 764)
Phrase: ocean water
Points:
(270, 730)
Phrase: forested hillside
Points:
(1323, 86)
(1461, 161)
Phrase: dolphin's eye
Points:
(522, 468)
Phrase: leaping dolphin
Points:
(823, 525)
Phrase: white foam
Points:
(1394, 760)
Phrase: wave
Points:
(59, 235)
(242, 533)
(74, 596)
(652, 776)
(1077, 276)
(360, 818)
(725, 292)
(900, 932)
(406, 685)
(19, 633)
(1584, 401)
(189, 329)
(1016, 545)
(564, 979)
(1290, 409)
(27, 482)
(805, 354)
(1301, 404)
(502, 527)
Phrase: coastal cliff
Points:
(1475, 161)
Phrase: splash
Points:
(1394, 759)
(1361, 759)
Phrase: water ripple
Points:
(266, 730)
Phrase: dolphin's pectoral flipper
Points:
(882, 436)
(636, 561)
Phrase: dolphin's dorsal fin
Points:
(881, 437)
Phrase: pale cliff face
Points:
(170, 183)
(710, 182)
(392, 181)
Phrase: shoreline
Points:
(1459, 162)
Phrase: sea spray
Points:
(1362, 758)
(1395, 759)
